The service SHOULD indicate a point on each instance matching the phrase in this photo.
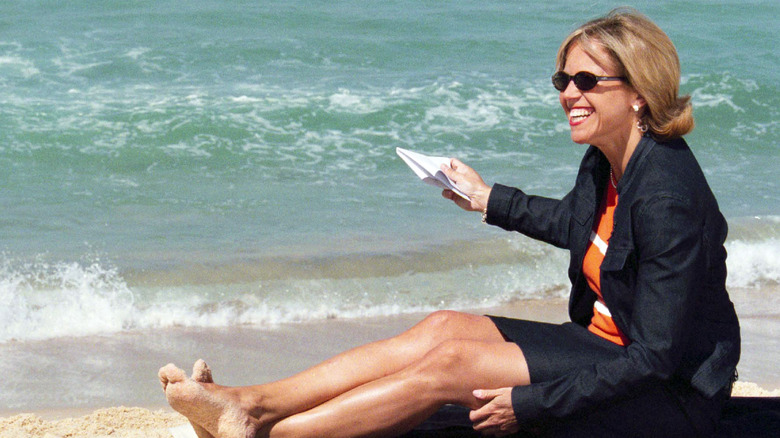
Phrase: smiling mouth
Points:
(578, 115)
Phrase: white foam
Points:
(16, 64)
(753, 263)
(713, 93)
(345, 100)
(42, 300)
(137, 52)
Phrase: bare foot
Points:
(201, 373)
(217, 415)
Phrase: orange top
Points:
(602, 323)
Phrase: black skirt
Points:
(660, 408)
(553, 350)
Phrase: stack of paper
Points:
(429, 169)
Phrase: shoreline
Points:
(125, 367)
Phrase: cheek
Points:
(620, 117)
(562, 101)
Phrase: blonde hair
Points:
(646, 56)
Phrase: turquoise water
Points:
(219, 163)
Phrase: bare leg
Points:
(363, 364)
(259, 407)
(397, 403)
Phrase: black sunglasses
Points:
(583, 80)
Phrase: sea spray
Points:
(45, 299)
(42, 300)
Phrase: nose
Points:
(571, 91)
(569, 96)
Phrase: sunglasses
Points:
(583, 80)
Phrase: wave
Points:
(43, 300)
(754, 252)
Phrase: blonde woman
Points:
(654, 339)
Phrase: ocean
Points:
(232, 164)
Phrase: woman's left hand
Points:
(496, 416)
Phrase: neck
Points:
(619, 154)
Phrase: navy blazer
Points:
(663, 276)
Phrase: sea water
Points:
(225, 163)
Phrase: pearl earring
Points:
(642, 126)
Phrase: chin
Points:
(579, 140)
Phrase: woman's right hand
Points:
(469, 182)
(496, 416)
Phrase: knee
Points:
(446, 358)
(445, 324)
(432, 330)
(442, 374)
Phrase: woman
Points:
(654, 340)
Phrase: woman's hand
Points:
(470, 183)
(496, 416)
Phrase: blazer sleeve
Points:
(537, 217)
(669, 265)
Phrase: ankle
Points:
(253, 401)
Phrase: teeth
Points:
(579, 113)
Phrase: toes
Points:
(163, 376)
(170, 374)
(201, 372)
(210, 414)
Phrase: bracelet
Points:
(484, 215)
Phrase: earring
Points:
(642, 126)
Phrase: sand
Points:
(114, 422)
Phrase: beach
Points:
(245, 355)
(185, 180)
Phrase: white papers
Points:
(428, 169)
